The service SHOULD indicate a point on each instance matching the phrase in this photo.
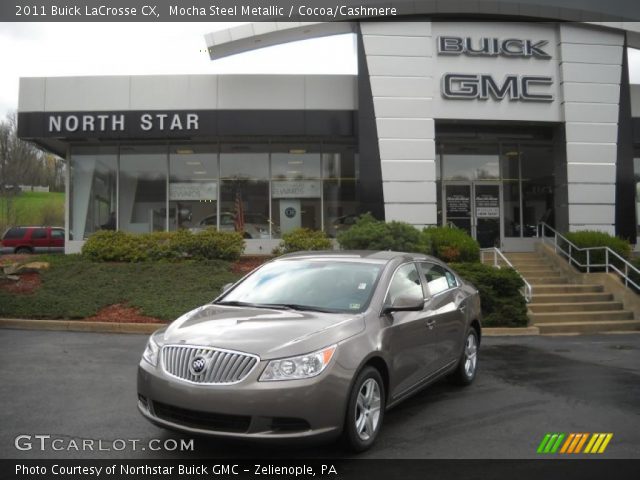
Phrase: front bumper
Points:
(310, 408)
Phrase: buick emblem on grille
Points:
(198, 365)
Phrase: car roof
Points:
(381, 256)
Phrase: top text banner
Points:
(307, 10)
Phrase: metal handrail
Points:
(572, 248)
(527, 292)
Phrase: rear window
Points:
(14, 232)
(57, 233)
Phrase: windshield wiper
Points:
(277, 306)
(236, 303)
(297, 306)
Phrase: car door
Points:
(56, 243)
(408, 339)
(40, 240)
(446, 302)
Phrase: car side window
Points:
(57, 233)
(226, 220)
(39, 233)
(406, 281)
(451, 279)
(437, 278)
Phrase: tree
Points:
(22, 163)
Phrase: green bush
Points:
(302, 239)
(112, 246)
(500, 294)
(593, 238)
(452, 244)
(371, 234)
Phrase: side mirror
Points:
(226, 287)
(405, 303)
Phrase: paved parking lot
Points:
(81, 387)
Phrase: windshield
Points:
(323, 285)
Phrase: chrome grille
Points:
(221, 367)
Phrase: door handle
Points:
(431, 324)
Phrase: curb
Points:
(147, 328)
(510, 332)
(80, 326)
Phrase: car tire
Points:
(467, 367)
(365, 410)
(23, 250)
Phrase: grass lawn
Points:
(33, 208)
(76, 288)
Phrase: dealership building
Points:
(492, 126)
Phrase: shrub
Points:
(112, 246)
(301, 239)
(371, 234)
(593, 238)
(501, 299)
(451, 244)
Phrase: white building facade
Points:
(491, 126)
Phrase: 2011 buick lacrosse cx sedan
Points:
(312, 345)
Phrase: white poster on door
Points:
(290, 215)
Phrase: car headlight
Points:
(151, 352)
(294, 368)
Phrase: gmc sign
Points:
(514, 87)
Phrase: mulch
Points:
(248, 263)
(120, 313)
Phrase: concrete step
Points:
(589, 327)
(522, 255)
(568, 317)
(570, 297)
(537, 272)
(574, 307)
(568, 288)
(548, 280)
(533, 269)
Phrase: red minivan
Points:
(33, 240)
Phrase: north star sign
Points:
(470, 86)
(116, 122)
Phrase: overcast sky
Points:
(59, 49)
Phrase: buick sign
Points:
(492, 47)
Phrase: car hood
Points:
(269, 333)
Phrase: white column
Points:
(399, 58)
(591, 62)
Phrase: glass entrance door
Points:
(476, 208)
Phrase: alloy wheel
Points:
(367, 415)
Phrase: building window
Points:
(340, 173)
(296, 187)
(92, 190)
(259, 189)
(520, 178)
(537, 166)
(193, 186)
(143, 189)
(244, 190)
(470, 162)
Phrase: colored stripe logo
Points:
(572, 443)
